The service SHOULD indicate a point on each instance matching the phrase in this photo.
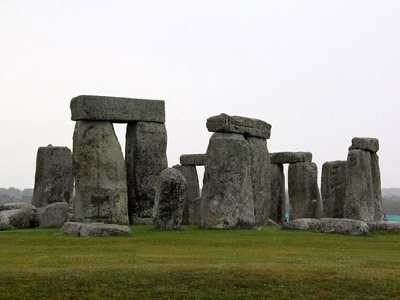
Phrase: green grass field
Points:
(195, 263)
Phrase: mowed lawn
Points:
(195, 263)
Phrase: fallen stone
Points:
(241, 125)
(304, 197)
(260, 179)
(193, 159)
(53, 215)
(94, 229)
(333, 188)
(277, 212)
(227, 197)
(16, 205)
(384, 226)
(272, 223)
(100, 174)
(117, 110)
(170, 199)
(15, 219)
(192, 191)
(145, 158)
(290, 157)
(301, 224)
(53, 177)
(367, 144)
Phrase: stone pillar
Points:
(53, 178)
(145, 156)
(278, 194)
(304, 197)
(333, 188)
(227, 197)
(193, 191)
(363, 183)
(100, 176)
(260, 179)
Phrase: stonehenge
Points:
(277, 210)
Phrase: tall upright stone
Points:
(53, 178)
(278, 194)
(304, 197)
(145, 156)
(260, 179)
(227, 197)
(100, 175)
(363, 183)
(192, 191)
(333, 188)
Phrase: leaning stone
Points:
(343, 226)
(94, 229)
(53, 215)
(227, 197)
(384, 226)
(100, 175)
(363, 187)
(197, 212)
(260, 179)
(193, 159)
(277, 212)
(53, 178)
(368, 144)
(193, 191)
(170, 199)
(304, 197)
(290, 157)
(237, 124)
(145, 158)
(333, 188)
(301, 224)
(16, 205)
(14, 219)
(117, 110)
(272, 223)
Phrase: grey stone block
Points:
(193, 159)
(94, 229)
(15, 219)
(290, 157)
(367, 144)
(53, 215)
(277, 212)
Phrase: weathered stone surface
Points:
(100, 175)
(278, 194)
(260, 179)
(193, 191)
(145, 158)
(237, 124)
(383, 226)
(367, 144)
(117, 110)
(304, 197)
(193, 159)
(170, 199)
(363, 187)
(53, 215)
(15, 219)
(329, 225)
(290, 157)
(16, 205)
(227, 197)
(94, 229)
(333, 188)
(272, 223)
(197, 212)
(53, 178)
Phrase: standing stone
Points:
(53, 178)
(333, 188)
(145, 157)
(169, 200)
(363, 186)
(197, 212)
(278, 194)
(227, 197)
(193, 191)
(304, 197)
(100, 175)
(260, 179)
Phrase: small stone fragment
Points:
(290, 157)
(367, 144)
(169, 200)
(193, 159)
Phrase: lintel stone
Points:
(290, 157)
(193, 159)
(368, 144)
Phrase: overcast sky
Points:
(320, 72)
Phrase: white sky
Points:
(321, 72)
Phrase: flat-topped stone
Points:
(94, 229)
(116, 109)
(193, 159)
(368, 144)
(290, 157)
(383, 226)
(237, 124)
